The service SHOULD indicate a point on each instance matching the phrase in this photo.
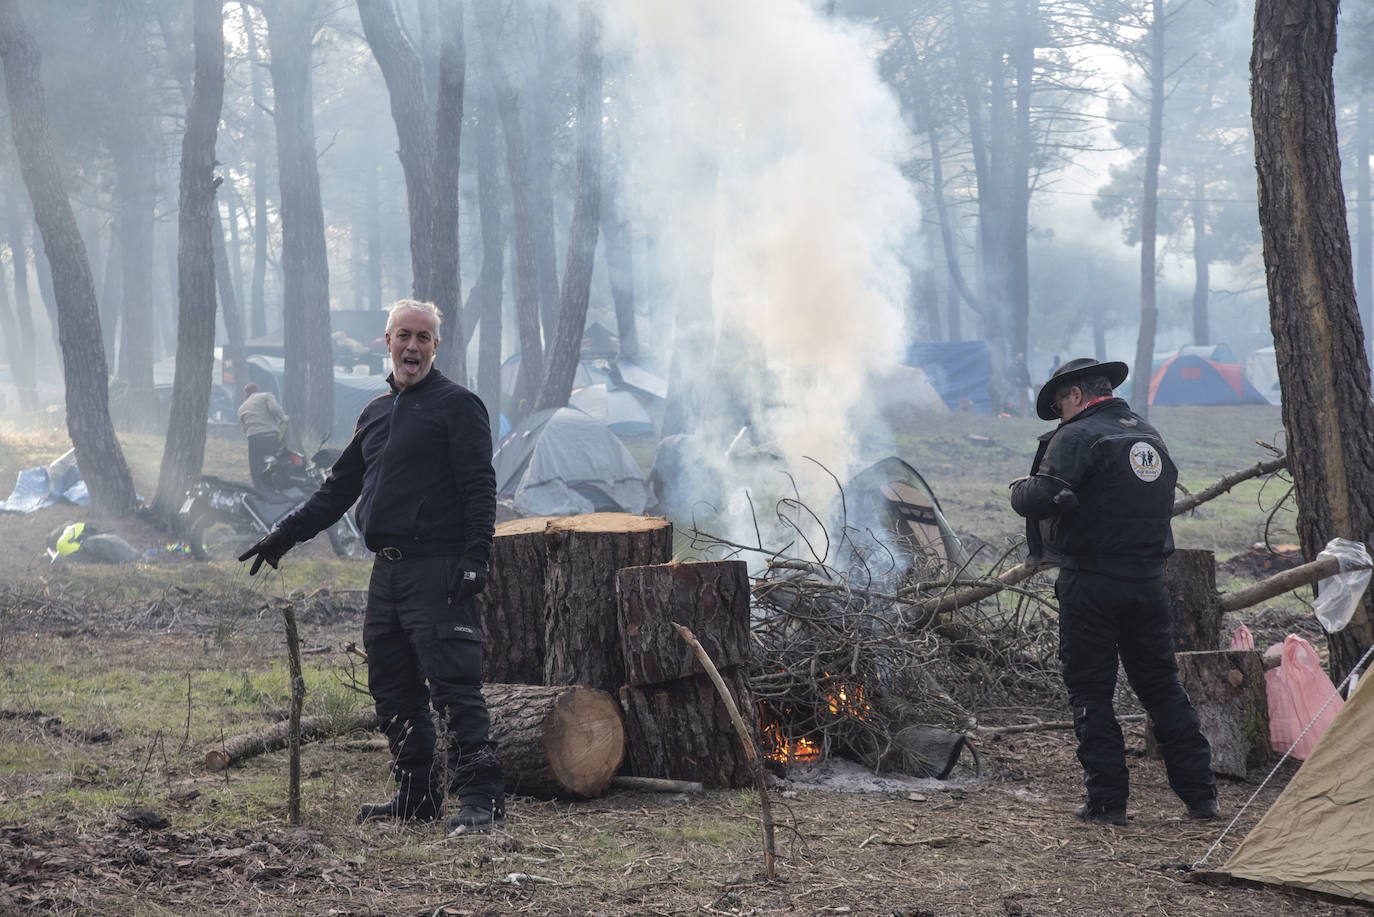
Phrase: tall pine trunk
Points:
(1149, 212)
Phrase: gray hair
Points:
(1090, 386)
(414, 305)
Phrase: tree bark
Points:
(682, 730)
(1196, 604)
(1149, 211)
(258, 308)
(184, 452)
(565, 350)
(486, 293)
(309, 375)
(85, 371)
(1228, 691)
(582, 643)
(710, 598)
(512, 605)
(1318, 339)
(556, 742)
(446, 281)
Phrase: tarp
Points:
(1188, 379)
(1318, 835)
(620, 411)
(897, 387)
(563, 462)
(37, 488)
(960, 371)
(351, 392)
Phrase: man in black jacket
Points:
(419, 468)
(1098, 501)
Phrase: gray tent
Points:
(563, 462)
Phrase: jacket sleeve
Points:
(328, 504)
(1065, 464)
(470, 453)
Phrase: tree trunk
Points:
(309, 375)
(539, 121)
(258, 309)
(234, 354)
(184, 452)
(556, 742)
(1149, 210)
(25, 370)
(401, 68)
(486, 14)
(1228, 691)
(1192, 579)
(1318, 339)
(582, 643)
(512, 605)
(565, 350)
(619, 255)
(487, 291)
(681, 730)
(84, 368)
(1364, 231)
(445, 281)
(711, 599)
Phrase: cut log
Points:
(1227, 689)
(556, 742)
(581, 628)
(276, 737)
(1192, 582)
(681, 730)
(710, 598)
(512, 605)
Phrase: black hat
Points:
(1115, 373)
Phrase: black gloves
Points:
(270, 549)
(469, 579)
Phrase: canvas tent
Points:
(564, 462)
(620, 411)
(1188, 379)
(1318, 835)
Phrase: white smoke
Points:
(784, 109)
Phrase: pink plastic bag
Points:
(1296, 690)
(1242, 639)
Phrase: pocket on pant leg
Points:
(457, 653)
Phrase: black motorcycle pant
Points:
(1103, 619)
(423, 652)
(262, 448)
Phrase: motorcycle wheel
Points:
(214, 537)
(345, 543)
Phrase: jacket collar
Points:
(391, 381)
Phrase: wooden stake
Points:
(293, 723)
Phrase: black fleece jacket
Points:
(419, 467)
(1122, 478)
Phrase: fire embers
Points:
(790, 735)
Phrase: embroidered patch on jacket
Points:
(1146, 462)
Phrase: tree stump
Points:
(1192, 581)
(556, 742)
(581, 621)
(681, 730)
(512, 605)
(711, 599)
(1228, 690)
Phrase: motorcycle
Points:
(224, 518)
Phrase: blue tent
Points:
(959, 370)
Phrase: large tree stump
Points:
(681, 730)
(556, 742)
(1227, 689)
(512, 605)
(581, 630)
(711, 599)
(1192, 581)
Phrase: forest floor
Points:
(114, 681)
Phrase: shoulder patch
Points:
(1146, 463)
(1128, 421)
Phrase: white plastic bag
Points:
(1338, 595)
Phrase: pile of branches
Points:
(855, 640)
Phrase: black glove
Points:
(1066, 500)
(469, 579)
(270, 549)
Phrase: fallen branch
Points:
(1280, 583)
(275, 738)
(657, 784)
(1192, 501)
(751, 750)
(967, 596)
(1048, 726)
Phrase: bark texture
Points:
(556, 742)
(1192, 578)
(512, 605)
(85, 371)
(711, 599)
(681, 730)
(1228, 691)
(582, 635)
(1318, 340)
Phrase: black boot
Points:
(406, 806)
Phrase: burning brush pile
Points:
(870, 639)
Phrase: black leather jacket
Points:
(1116, 517)
(419, 467)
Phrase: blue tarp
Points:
(37, 488)
(959, 370)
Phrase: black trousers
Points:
(261, 449)
(1103, 619)
(423, 653)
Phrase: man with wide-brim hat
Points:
(1099, 502)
